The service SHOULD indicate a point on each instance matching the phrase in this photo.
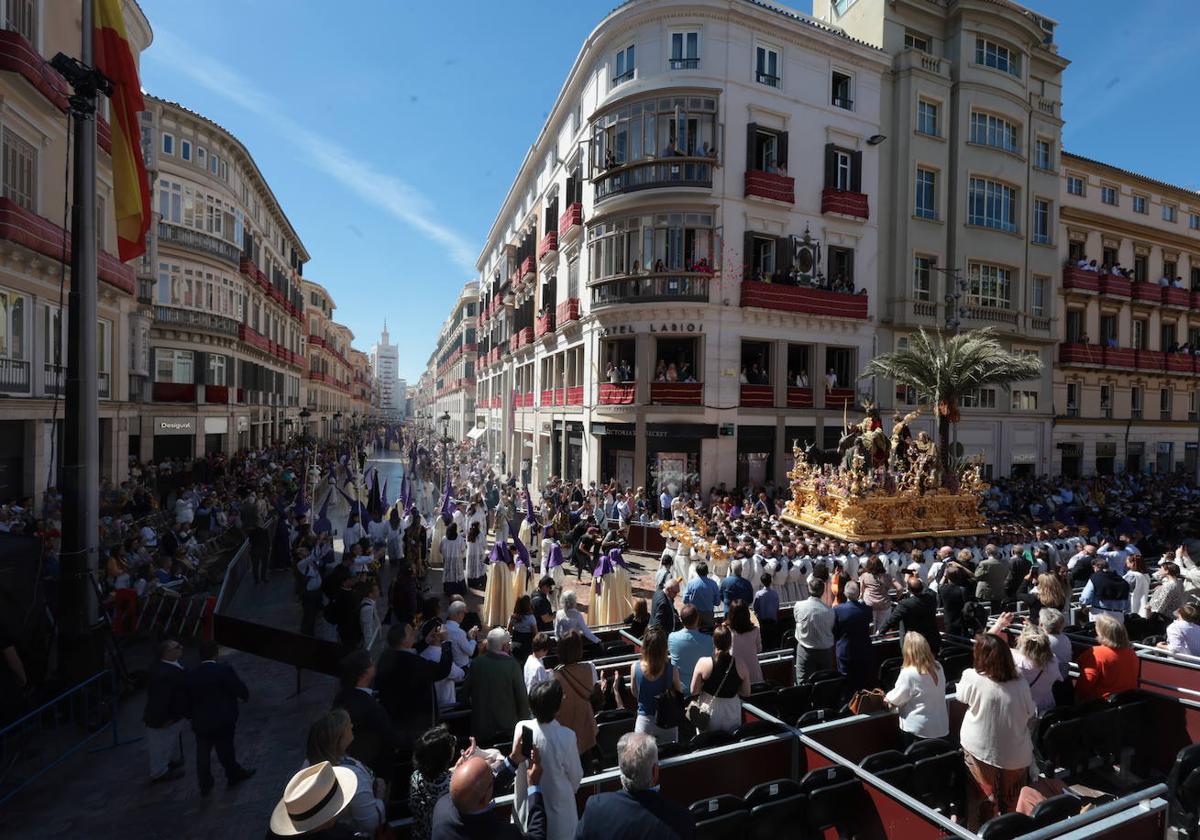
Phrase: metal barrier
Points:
(42, 739)
(235, 572)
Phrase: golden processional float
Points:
(879, 487)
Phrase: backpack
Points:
(974, 618)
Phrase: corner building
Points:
(699, 213)
(452, 366)
(1125, 385)
(972, 106)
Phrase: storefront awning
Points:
(476, 433)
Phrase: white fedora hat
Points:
(312, 798)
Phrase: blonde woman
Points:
(920, 692)
(1038, 666)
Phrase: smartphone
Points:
(526, 741)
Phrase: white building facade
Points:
(452, 365)
(385, 362)
(682, 280)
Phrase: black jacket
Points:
(644, 815)
(916, 614)
(405, 683)
(166, 698)
(375, 740)
(663, 613)
(212, 693)
(448, 824)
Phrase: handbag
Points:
(595, 697)
(669, 712)
(699, 711)
(868, 700)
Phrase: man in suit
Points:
(662, 607)
(405, 680)
(916, 613)
(375, 739)
(166, 708)
(213, 691)
(496, 687)
(852, 637)
(639, 811)
(468, 811)
(734, 587)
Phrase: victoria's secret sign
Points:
(626, 329)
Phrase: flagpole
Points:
(81, 461)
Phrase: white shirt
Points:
(535, 672)
(921, 702)
(995, 728)
(568, 620)
(558, 753)
(443, 689)
(1041, 680)
(1183, 637)
(461, 647)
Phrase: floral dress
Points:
(422, 797)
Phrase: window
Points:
(1135, 403)
(926, 194)
(1072, 399)
(1108, 194)
(1194, 221)
(927, 118)
(915, 41)
(768, 150)
(989, 130)
(201, 156)
(185, 150)
(1170, 213)
(766, 66)
(1139, 334)
(1043, 154)
(992, 204)
(979, 398)
(1141, 268)
(990, 285)
(168, 144)
(1139, 204)
(685, 50)
(1191, 406)
(841, 268)
(922, 277)
(103, 349)
(993, 55)
(624, 65)
(763, 255)
(216, 370)
(1106, 401)
(1075, 185)
(21, 16)
(1041, 221)
(173, 366)
(840, 174)
(1037, 297)
(12, 325)
(842, 91)
(20, 171)
(1024, 400)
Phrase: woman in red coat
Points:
(1111, 666)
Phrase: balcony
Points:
(54, 378)
(192, 319)
(990, 314)
(1149, 292)
(799, 397)
(14, 376)
(247, 267)
(571, 220)
(174, 392)
(651, 288)
(253, 338)
(575, 395)
(548, 247)
(42, 236)
(527, 271)
(1080, 280)
(552, 396)
(521, 338)
(839, 398)
(845, 203)
(544, 325)
(1150, 359)
(216, 394)
(194, 240)
(677, 393)
(757, 396)
(1181, 363)
(318, 376)
(1111, 284)
(1177, 297)
(613, 394)
(567, 312)
(803, 299)
(523, 400)
(653, 173)
(770, 185)
(316, 341)
(103, 385)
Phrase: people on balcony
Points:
(1087, 265)
(755, 375)
(798, 380)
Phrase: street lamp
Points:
(445, 418)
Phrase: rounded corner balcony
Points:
(654, 173)
(668, 287)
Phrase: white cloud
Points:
(387, 192)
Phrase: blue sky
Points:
(391, 132)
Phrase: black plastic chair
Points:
(772, 791)
(1133, 710)
(617, 648)
(937, 780)
(1183, 790)
(1007, 827)
(720, 818)
(717, 806)
(828, 693)
(793, 701)
(928, 747)
(764, 696)
(609, 715)
(889, 670)
(892, 766)
(1056, 809)
(814, 716)
(820, 676)
(672, 750)
(778, 817)
(712, 738)
(756, 729)
(607, 735)
(1063, 743)
(1102, 729)
(954, 662)
(834, 795)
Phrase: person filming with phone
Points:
(559, 757)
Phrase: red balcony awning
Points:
(803, 299)
(677, 393)
(757, 396)
(612, 394)
(845, 203)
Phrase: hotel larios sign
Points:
(627, 329)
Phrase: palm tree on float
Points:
(941, 370)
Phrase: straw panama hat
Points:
(312, 798)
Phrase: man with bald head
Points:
(468, 811)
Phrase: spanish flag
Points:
(114, 58)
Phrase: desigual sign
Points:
(174, 426)
(627, 329)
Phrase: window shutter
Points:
(200, 374)
(781, 146)
(748, 251)
(856, 172)
(751, 137)
(830, 166)
(783, 254)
